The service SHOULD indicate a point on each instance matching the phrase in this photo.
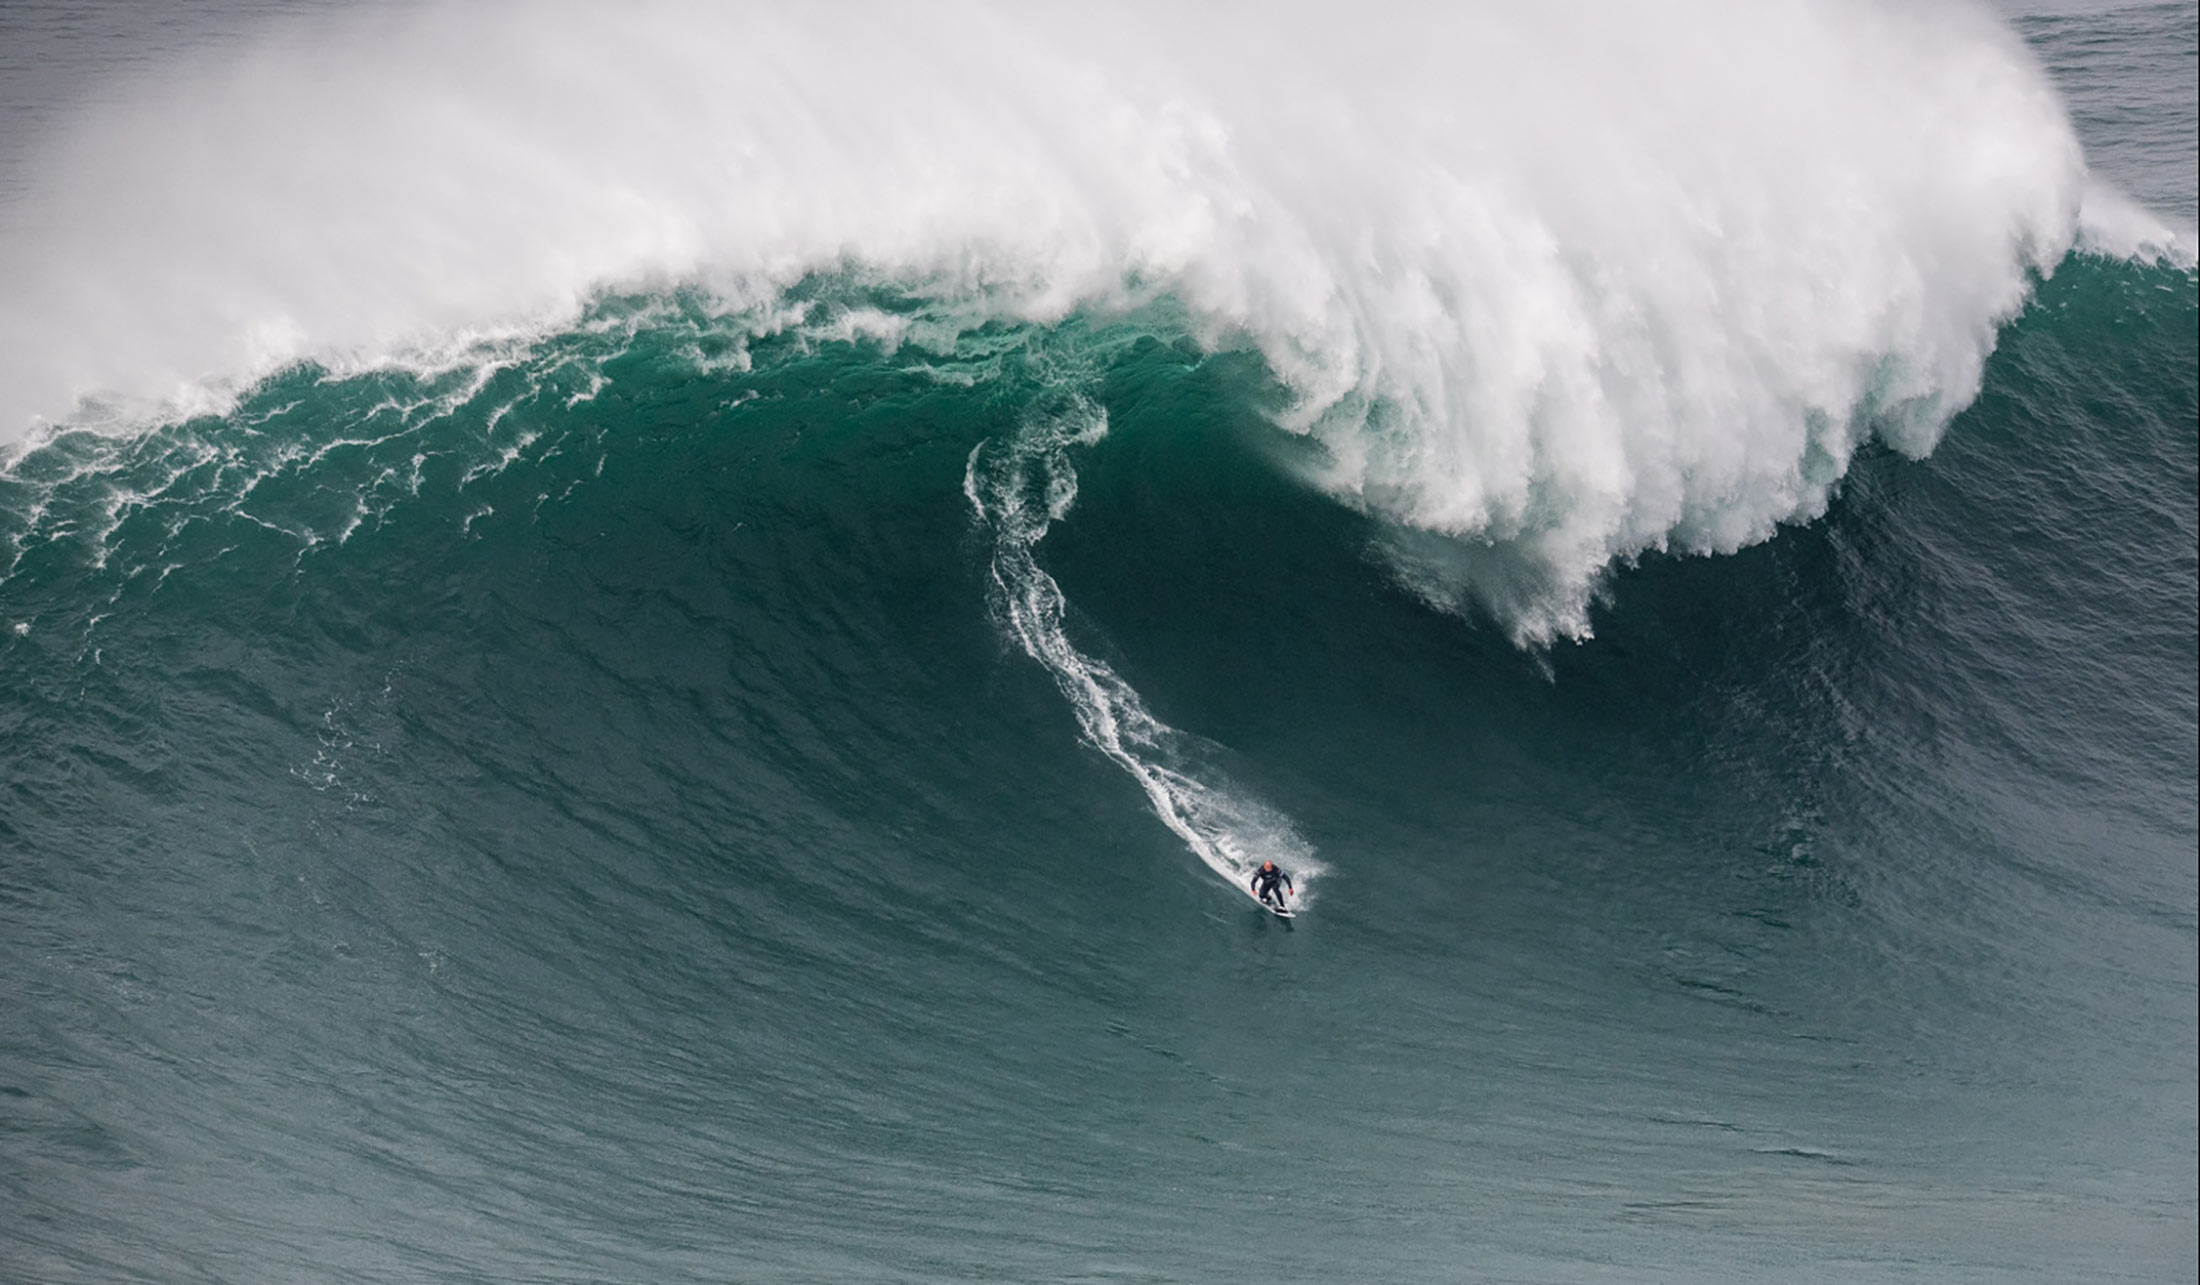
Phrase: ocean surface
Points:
(652, 643)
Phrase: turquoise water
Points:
(753, 783)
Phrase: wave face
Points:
(658, 649)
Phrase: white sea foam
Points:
(1553, 285)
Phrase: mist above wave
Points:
(1551, 288)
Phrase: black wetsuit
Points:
(1264, 885)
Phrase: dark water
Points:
(2121, 67)
(594, 814)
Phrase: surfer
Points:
(1265, 880)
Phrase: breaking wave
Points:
(1546, 289)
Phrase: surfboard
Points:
(1279, 912)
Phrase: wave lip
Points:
(2114, 226)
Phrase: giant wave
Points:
(1548, 289)
(548, 550)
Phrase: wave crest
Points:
(1550, 288)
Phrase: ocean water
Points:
(653, 644)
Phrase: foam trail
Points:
(1020, 487)
(1551, 285)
